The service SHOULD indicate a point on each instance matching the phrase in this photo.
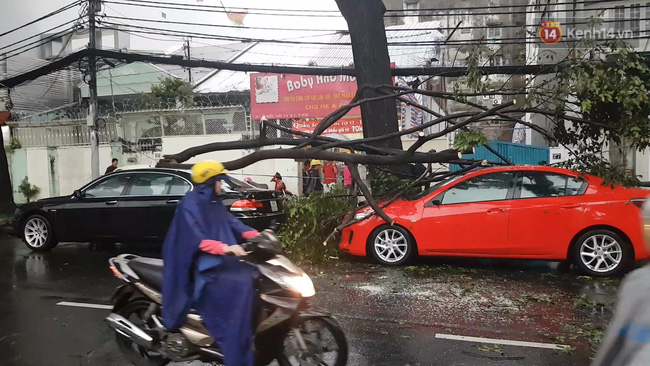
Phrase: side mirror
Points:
(77, 194)
(436, 202)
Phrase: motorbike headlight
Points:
(301, 284)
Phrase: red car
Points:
(524, 212)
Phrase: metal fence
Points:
(65, 133)
(136, 130)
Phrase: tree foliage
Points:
(171, 88)
(606, 92)
(28, 190)
(310, 220)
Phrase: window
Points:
(427, 191)
(540, 185)
(484, 188)
(236, 184)
(151, 184)
(179, 186)
(635, 15)
(619, 17)
(496, 60)
(110, 187)
(411, 7)
(647, 17)
(494, 33)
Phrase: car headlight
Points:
(363, 214)
(300, 284)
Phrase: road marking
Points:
(504, 342)
(85, 305)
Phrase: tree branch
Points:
(366, 193)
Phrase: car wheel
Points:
(601, 253)
(38, 234)
(391, 245)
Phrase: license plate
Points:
(274, 206)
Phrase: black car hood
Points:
(48, 201)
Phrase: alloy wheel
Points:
(391, 245)
(36, 232)
(601, 253)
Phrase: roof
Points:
(223, 52)
(151, 169)
(334, 53)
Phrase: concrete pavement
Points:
(439, 312)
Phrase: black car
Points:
(133, 206)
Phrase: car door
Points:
(470, 217)
(94, 215)
(546, 213)
(149, 205)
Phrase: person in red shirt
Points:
(279, 184)
(330, 172)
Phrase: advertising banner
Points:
(279, 96)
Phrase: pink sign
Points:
(277, 96)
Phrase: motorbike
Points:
(288, 328)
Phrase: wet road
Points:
(392, 316)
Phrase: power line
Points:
(60, 10)
(134, 57)
(178, 33)
(279, 12)
(274, 12)
(38, 43)
(344, 31)
(37, 35)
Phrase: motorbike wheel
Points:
(134, 312)
(325, 341)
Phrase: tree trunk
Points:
(365, 20)
(7, 205)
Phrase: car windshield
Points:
(434, 187)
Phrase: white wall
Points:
(73, 166)
(38, 170)
(73, 162)
(260, 172)
(643, 165)
(438, 145)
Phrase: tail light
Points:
(116, 273)
(246, 205)
(638, 202)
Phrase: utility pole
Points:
(189, 57)
(91, 121)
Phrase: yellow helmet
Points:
(315, 162)
(205, 170)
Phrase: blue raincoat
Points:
(220, 288)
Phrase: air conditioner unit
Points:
(485, 96)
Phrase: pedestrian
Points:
(347, 181)
(627, 339)
(279, 184)
(315, 184)
(111, 168)
(305, 177)
(330, 172)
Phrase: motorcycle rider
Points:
(198, 275)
